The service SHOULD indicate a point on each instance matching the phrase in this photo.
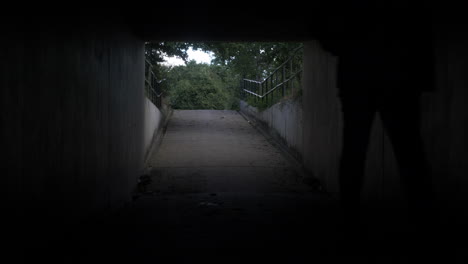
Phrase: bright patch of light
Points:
(197, 55)
(173, 61)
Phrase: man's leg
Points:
(401, 118)
(358, 114)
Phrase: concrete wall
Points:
(152, 123)
(444, 126)
(445, 120)
(283, 118)
(321, 115)
(73, 135)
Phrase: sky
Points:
(197, 55)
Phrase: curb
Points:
(297, 165)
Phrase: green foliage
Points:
(216, 86)
(257, 61)
(255, 102)
(155, 51)
(293, 91)
(202, 86)
(251, 60)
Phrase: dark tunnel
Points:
(377, 172)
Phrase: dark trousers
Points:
(400, 115)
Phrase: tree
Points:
(215, 86)
(201, 86)
(253, 60)
(155, 52)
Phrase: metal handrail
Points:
(293, 53)
(274, 88)
(251, 87)
(153, 89)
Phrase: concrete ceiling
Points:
(222, 24)
(199, 20)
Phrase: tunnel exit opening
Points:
(229, 71)
(238, 84)
(214, 105)
(218, 168)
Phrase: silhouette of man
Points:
(384, 64)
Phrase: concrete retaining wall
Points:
(283, 118)
(73, 111)
(152, 123)
(321, 115)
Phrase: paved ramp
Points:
(221, 192)
(217, 183)
(219, 151)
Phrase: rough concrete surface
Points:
(72, 113)
(219, 151)
(284, 119)
(152, 123)
(220, 192)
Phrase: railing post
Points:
(266, 91)
(257, 88)
(244, 86)
(271, 87)
(247, 84)
(260, 85)
(151, 79)
(246, 89)
(292, 79)
(283, 81)
(263, 92)
(247, 94)
(259, 92)
(241, 89)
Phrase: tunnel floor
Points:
(210, 151)
(222, 192)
